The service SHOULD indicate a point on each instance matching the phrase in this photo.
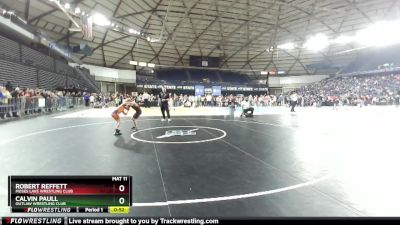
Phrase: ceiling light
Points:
(287, 46)
(343, 40)
(154, 40)
(67, 6)
(317, 43)
(379, 34)
(264, 72)
(142, 64)
(151, 65)
(270, 49)
(131, 30)
(135, 63)
(77, 10)
(100, 20)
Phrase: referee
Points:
(164, 98)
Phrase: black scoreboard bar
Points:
(69, 194)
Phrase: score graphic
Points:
(70, 194)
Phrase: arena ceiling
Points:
(241, 32)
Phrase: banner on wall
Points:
(199, 90)
(216, 90)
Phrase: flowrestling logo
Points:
(173, 133)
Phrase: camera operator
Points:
(248, 110)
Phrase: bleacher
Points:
(369, 60)
(73, 82)
(86, 73)
(172, 75)
(18, 74)
(28, 68)
(200, 75)
(48, 80)
(37, 58)
(9, 49)
(62, 67)
(233, 77)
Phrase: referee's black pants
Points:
(293, 104)
(165, 108)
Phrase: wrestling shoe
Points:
(169, 120)
(162, 120)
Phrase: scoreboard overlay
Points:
(70, 194)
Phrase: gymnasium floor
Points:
(315, 162)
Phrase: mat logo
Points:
(173, 133)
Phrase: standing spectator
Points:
(198, 100)
(293, 100)
(15, 102)
(3, 99)
(208, 99)
(6, 101)
(171, 102)
(86, 98)
(121, 99)
(91, 100)
(9, 87)
(146, 97)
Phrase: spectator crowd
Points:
(15, 101)
(181, 100)
(340, 90)
(352, 90)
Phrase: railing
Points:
(27, 106)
